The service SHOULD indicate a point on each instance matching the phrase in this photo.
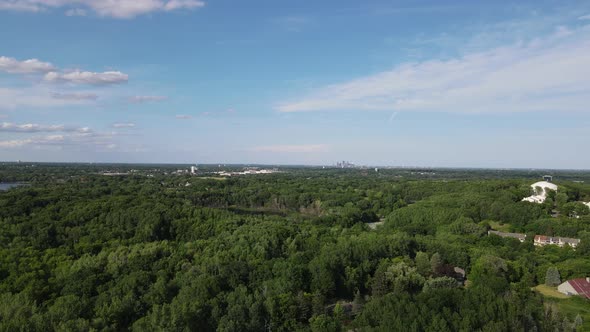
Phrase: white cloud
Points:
(106, 8)
(183, 117)
(35, 97)
(145, 99)
(124, 125)
(36, 128)
(14, 66)
(86, 77)
(307, 148)
(12, 143)
(552, 74)
(80, 140)
(74, 96)
(76, 12)
(585, 17)
(21, 6)
(183, 4)
(46, 140)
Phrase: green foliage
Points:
(324, 323)
(552, 277)
(423, 263)
(440, 282)
(18, 313)
(490, 271)
(435, 263)
(284, 252)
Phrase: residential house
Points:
(543, 240)
(580, 286)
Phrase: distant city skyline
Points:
(383, 83)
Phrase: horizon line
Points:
(297, 165)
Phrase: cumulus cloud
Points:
(183, 117)
(146, 99)
(546, 74)
(585, 17)
(307, 148)
(74, 96)
(14, 66)
(36, 128)
(53, 75)
(107, 8)
(124, 125)
(86, 77)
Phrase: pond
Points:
(7, 185)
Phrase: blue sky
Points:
(407, 83)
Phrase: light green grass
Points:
(548, 291)
(500, 227)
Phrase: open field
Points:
(550, 292)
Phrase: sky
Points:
(499, 84)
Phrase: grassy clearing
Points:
(500, 227)
(548, 291)
(570, 306)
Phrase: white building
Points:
(540, 194)
(543, 240)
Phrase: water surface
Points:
(7, 185)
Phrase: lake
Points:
(7, 185)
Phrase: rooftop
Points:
(582, 286)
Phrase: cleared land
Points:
(550, 292)
(570, 306)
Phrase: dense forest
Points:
(305, 249)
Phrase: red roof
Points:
(582, 286)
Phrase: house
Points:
(543, 240)
(580, 286)
(547, 178)
(519, 236)
(540, 240)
